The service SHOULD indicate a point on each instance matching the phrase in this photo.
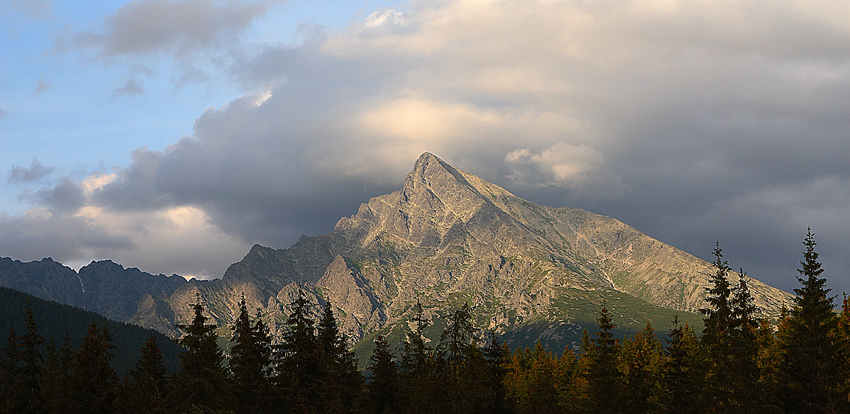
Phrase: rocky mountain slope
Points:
(445, 238)
(102, 287)
(448, 237)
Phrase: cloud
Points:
(153, 26)
(34, 172)
(130, 88)
(66, 196)
(71, 229)
(3, 113)
(386, 18)
(576, 167)
(43, 85)
(34, 9)
(687, 120)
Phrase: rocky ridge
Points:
(448, 237)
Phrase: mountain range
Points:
(446, 238)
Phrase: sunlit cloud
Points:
(682, 118)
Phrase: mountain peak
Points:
(424, 160)
(430, 166)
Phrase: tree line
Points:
(739, 363)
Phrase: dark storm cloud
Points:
(685, 123)
(694, 122)
(34, 172)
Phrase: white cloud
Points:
(577, 167)
(681, 105)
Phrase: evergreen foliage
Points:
(26, 391)
(297, 370)
(341, 381)
(201, 382)
(811, 344)
(94, 383)
(681, 379)
(603, 376)
(382, 388)
(146, 392)
(250, 361)
(799, 365)
(717, 336)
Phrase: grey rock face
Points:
(445, 238)
(448, 237)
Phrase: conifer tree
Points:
(541, 392)
(769, 363)
(415, 353)
(496, 355)
(681, 377)
(297, 362)
(148, 388)
(461, 364)
(603, 377)
(95, 384)
(641, 363)
(26, 392)
(418, 375)
(811, 344)
(201, 383)
(383, 384)
(56, 380)
(250, 361)
(341, 382)
(747, 393)
(717, 335)
(9, 370)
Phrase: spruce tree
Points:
(681, 378)
(250, 361)
(95, 384)
(297, 370)
(201, 383)
(496, 354)
(418, 376)
(26, 392)
(341, 382)
(148, 387)
(460, 365)
(10, 358)
(56, 380)
(642, 366)
(382, 388)
(811, 344)
(717, 340)
(415, 353)
(747, 393)
(603, 377)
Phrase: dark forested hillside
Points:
(54, 320)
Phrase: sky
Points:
(173, 135)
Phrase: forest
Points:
(741, 362)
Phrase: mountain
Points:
(448, 237)
(54, 320)
(103, 287)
